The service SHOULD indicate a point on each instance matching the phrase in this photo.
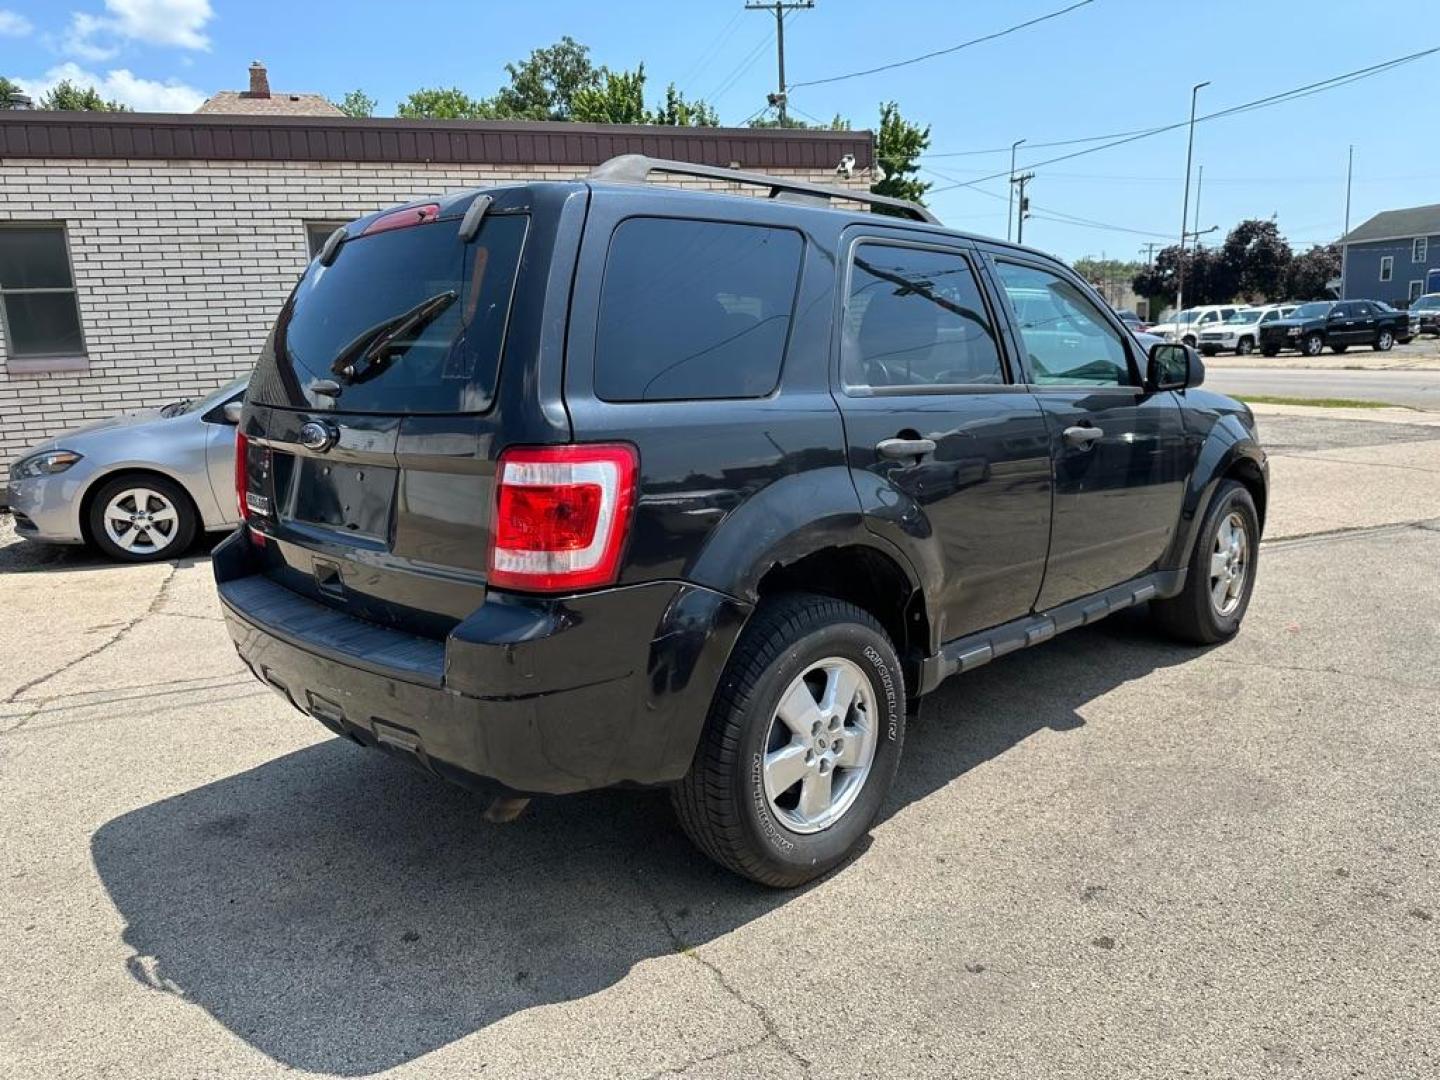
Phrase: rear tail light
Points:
(242, 472)
(251, 503)
(561, 516)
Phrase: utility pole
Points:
(1185, 206)
(1149, 252)
(1344, 244)
(780, 7)
(1199, 187)
(1022, 180)
(1010, 206)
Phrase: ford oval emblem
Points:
(317, 436)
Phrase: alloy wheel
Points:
(820, 746)
(1229, 564)
(141, 520)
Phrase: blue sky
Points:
(1110, 66)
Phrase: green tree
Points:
(898, 147)
(677, 112)
(67, 97)
(1310, 273)
(543, 86)
(1208, 279)
(9, 91)
(839, 123)
(445, 104)
(357, 103)
(617, 98)
(1093, 269)
(1257, 259)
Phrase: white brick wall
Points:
(181, 267)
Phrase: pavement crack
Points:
(1343, 673)
(119, 635)
(1347, 532)
(762, 1014)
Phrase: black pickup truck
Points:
(1338, 324)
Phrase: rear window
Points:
(455, 296)
(694, 309)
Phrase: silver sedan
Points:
(137, 486)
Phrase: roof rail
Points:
(636, 169)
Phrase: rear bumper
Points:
(539, 695)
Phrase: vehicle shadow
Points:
(29, 557)
(344, 914)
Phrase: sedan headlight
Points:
(46, 464)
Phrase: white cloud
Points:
(13, 24)
(174, 23)
(142, 95)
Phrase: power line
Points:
(782, 10)
(738, 71)
(945, 52)
(713, 50)
(1249, 106)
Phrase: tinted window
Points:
(915, 318)
(456, 295)
(694, 309)
(37, 295)
(1065, 336)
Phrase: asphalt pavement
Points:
(1108, 856)
(1414, 389)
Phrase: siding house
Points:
(143, 257)
(1387, 257)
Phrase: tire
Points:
(1195, 614)
(1245, 347)
(1312, 345)
(1188, 339)
(165, 531)
(1338, 349)
(1269, 350)
(1208, 350)
(1385, 342)
(723, 803)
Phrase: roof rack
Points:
(636, 169)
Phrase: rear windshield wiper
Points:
(376, 346)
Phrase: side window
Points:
(1419, 249)
(914, 317)
(1362, 310)
(1269, 316)
(1068, 341)
(694, 309)
(37, 293)
(1387, 267)
(1209, 317)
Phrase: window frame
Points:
(22, 363)
(1417, 289)
(306, 224)
(1009, 370)
(1133, 356)
(1387, 267)
(1419, 249)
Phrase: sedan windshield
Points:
(1312, 311)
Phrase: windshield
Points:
(1312, 311)
(1244, 317)
(1188, 315)
(209, 401)
(409, 320)
(1426, 303)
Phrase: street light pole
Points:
(1010, 206)
(1344, 241)
(1185, 207)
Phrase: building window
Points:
(1419, 248)
(1416, 289)
(37, 293)
(1387, 267)
(317, 232)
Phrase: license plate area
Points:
(351, 498)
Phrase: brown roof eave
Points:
(250, 137)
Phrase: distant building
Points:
(259, 100)
(1388, 256)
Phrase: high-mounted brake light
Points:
(403, 219)
(561, 516)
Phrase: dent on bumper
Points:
(541, 695)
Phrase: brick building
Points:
(144, 257)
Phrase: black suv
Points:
(1337, 324)
(568, 485)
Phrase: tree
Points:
(67, 97)
(677, 112)
(1093, 269)
(1310, 273)
(446, 104)
(357, 103)
(543, 87)
(618, 98)
(9, 91)
(1256, 259)
(898, 147)
(839, 123)
(1207, 278)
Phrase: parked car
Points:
(1239, 333)
(566, 485)
(1187, 326)
(1409, 328)
(1426, 309)
(137, 486)
(1132, 320)
(1337, 324)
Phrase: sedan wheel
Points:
(141, 519)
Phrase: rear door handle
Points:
(1083, 437)
(905, 448)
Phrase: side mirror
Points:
(1173, 367)
(232, 410)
